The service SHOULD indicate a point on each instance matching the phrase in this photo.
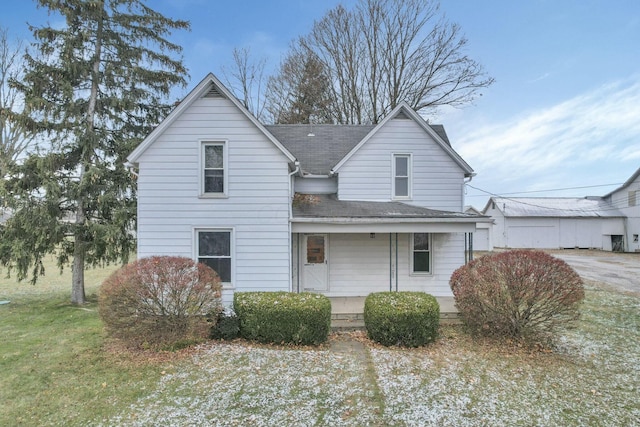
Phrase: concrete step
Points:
(346, 325)
(355, 321)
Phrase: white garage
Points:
(482, 238)
(554, 223)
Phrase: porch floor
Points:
(348, 312)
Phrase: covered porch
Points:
(349, 249)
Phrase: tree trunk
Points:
(77, 279)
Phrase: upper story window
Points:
(632, 198)
(401, 179)
(214, 173)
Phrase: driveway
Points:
(621, 271)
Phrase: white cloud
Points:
(599, 125)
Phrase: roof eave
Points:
(626, 183)
(394, 220)
(188, 100)
(422, 123)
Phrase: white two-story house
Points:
(339, 210)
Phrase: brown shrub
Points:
(521, 294)
(160, 300)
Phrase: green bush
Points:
(283, 317)
(519, 294)
(160, 302)
(408, 319)
(226, 326)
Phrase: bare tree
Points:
(337, 40)
(301, 91)
(388, 51)
(14, 138)
(246, 79)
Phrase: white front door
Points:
(315, 268)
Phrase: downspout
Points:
(131, 167)
(468, 250)
(290, 201)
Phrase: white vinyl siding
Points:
(437, 181)
(359, 264)
(401, 176)
(622, 199)
(316, 185)
(256, 206)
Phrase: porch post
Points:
(466, 249)
(390, 264)
(396, 262)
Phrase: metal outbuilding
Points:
(556, 223)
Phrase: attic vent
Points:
(402, 116)
(213, 92)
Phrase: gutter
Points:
(364, 220)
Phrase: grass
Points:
(58, 369)
(54, 370)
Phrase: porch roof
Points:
(327, 208)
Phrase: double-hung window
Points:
(214, 177)
(214, 250)
(421, 253)
(401, 179)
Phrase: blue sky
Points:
(564, 110)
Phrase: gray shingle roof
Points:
(327, 145)
(328, 206)
(441, 133)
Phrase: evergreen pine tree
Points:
(93, 89)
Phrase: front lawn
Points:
(58, 369)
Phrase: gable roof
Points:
(566, 207)
(471, 210)
(210, 84)
(404, 109)
(626, 184)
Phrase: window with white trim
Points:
(214, 175)
(401, 184)
(421, 253)
(214, 249)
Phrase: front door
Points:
(315, 269)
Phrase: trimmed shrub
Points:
(520, 294)
(226, 327)
(283, 317)
(407, 319)
(160, 301)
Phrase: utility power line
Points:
(538, 191)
